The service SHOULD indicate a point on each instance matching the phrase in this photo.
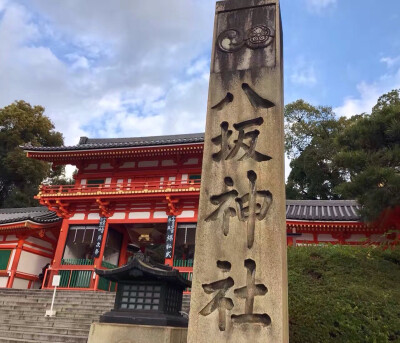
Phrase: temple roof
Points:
(307, 210)
(40, 215)
(322, 210)
(86, 143)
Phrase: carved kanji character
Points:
(219, 302)
(229, 151)
(249, 292)
(224, 200)
(254, 209)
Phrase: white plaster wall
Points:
(83, 182)
(186, 214)
(356, 238)
(105, 166)
(128, 165)
(38, 241)
(11, 238)
(306, 237)
(91, 166)
(167, 163)
(148, 164)
(31, 263)
(325, 237)
(139, 215)
(192, 161)
(10, 262)
(160, 214)
(118, 215)
(20, 283)
(93, 216)
(3, 281)
(78, 216)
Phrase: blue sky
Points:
(134, 68)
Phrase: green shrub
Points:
(344, 294)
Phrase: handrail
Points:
(133, 186)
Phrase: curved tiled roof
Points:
(322, 210)
(41, 215)
(307, 210)
(109, 143)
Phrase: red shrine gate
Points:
(134, 185)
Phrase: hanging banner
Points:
(169, 241)
(99, 239)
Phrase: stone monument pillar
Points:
(239, 291)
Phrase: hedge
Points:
(344, 294)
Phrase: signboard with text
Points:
(169, 241)
(99, 238)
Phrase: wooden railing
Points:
(185, 267)
(119, 188)
(79, 274)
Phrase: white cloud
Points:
(390, 61)
(319, 5)
(368, 94)
(304, 77)
(303, 72)
(108, 69)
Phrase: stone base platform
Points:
(129, 333)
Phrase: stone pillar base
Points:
(128, 333)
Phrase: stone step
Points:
(84, 313)
(70, 318)
(60, 296)
(44, 337)
(84, 302)
(48, 323)
(42, 329)
(40, 306)
(17, 340)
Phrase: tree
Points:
(310, 141)
(20, 124)
(369, 154)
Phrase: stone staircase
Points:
(22, 315)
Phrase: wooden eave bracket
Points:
(172, 206)
(106, 208)
(61, 208)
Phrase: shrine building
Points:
(138, 196)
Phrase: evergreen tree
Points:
(309, 140)
(369, 155)
(20, 124)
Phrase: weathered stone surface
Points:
(239, 290)
(128, 333)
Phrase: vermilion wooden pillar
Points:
(62, 239)
(15, 262)
(124, 248)
(56, 263)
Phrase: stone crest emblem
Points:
(259, 36)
